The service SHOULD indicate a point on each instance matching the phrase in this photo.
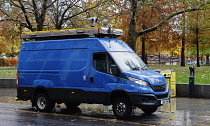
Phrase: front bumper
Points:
(148, 100)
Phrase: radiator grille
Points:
(158, 88)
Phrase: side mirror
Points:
(113, 69)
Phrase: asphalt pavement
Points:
(180, 112)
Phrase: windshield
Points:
(127, 61)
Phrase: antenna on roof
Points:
(92, 21)
(105, 23)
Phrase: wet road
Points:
(180, 112)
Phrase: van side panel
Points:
(60, 66)
(51, 60)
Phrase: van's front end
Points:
(137, 85)
(151, 89)
(148, 89)
(145, 88)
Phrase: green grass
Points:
(202, 74)
(8, 72)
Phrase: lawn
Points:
(8, 72)
(202, 74)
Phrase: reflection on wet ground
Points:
(181, 111)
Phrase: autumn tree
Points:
(35, 14)
(161, 39)
(10, 37)
(198, 35)
(149, 21)
(183, 38)
(134, 33)
(204, 34)
(140, 18)
(2, 46)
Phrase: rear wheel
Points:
(122, 108)
(149, 110)
(43, 103)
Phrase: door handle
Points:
(91, 79)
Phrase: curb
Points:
(200, 90)
(8, 83)
(182, 89)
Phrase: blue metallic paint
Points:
(147, 75)
(43, 83)
(48, 64)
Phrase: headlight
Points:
(137, 81)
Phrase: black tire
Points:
(70, 105)
(149, 110)
(43, 103)
(122, 108)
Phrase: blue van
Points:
(92, 70)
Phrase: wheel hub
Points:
(121, 108)
(41, 102)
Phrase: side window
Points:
(99, 62)
(102, 62)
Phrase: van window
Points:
(102, 62)
(128, 61)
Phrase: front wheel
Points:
(149, 110)
(122, 108)
(43, 103)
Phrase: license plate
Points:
(164, 101)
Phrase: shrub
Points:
(11, 62)
(2, 61)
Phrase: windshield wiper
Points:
(136, 68)
(144, 68)
(139, 68)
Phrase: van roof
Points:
(73, 33)
(103, 44)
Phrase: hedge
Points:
(8, 62)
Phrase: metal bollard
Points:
(191, 82)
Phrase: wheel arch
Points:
(118, 93)
(38, 90)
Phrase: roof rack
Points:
(73, 33)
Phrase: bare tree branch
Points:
(17, 21)
(25, 15)
(4, 12)
(65, 19)
(51, 3)
(165, 20)
(14, 4)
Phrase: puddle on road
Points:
(171, 107)
(180, 111)
(8, 95)
(12, 100)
